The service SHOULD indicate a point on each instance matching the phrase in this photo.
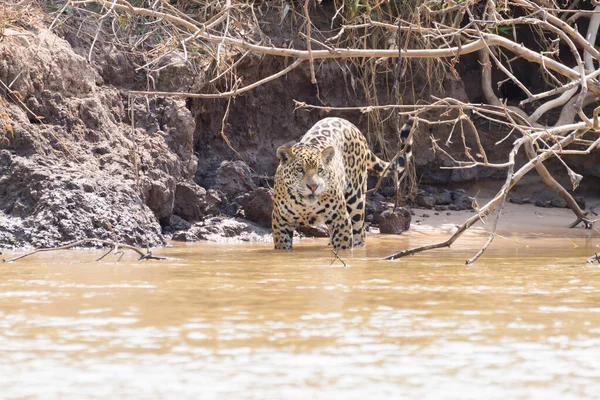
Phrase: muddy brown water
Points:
(242, 321)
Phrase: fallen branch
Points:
(114, 247)
(542, 171)
(492, 204)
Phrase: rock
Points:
(440, 208)
(18, 209)
(228, 230)
(214, 199)
(176, 72)
(394, 222)
(460, 200)
(234, 178)
(232, 209)
(89, 170)
(375, 205)
(54, 204)
(259, 207)
(190, 201)
(178, 126)
(558, 202)
(184, 236)
(177, 223)
(425, 200)
(430, 190)
(387, 190)
(320, 231)
(158, 192)
(542, 203)
(580, 200)
(443, 198)
(516, 200)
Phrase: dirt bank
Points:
(72, 166)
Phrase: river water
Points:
(241, 321)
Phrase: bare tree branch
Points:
(114, 245)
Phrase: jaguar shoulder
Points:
(323, 178)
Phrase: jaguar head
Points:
(307, 170)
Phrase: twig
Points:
(591, 38)
(110, 250)
(499, 209)
(224, 128)
(313, 79)
(101, 21)
(337, 257)
(220, 45)
(223, 95)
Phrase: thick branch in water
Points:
(113, 244)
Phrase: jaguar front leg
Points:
(355, 204)
(341, 229)
(357, 217)
(283, 232)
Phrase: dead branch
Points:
(492, 204)
(590, 37)
(199, 32)
(313, 79)
(114, 246)
(551, 182)
(529, 149)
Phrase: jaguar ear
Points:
(284, 154)
(328, 154)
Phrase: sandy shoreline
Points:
(516, 219)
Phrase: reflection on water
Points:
(243, 321)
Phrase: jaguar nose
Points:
(312, 187)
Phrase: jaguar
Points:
(323, 178)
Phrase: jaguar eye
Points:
(300, 170)
(321, 171)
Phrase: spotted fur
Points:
(323, 178)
